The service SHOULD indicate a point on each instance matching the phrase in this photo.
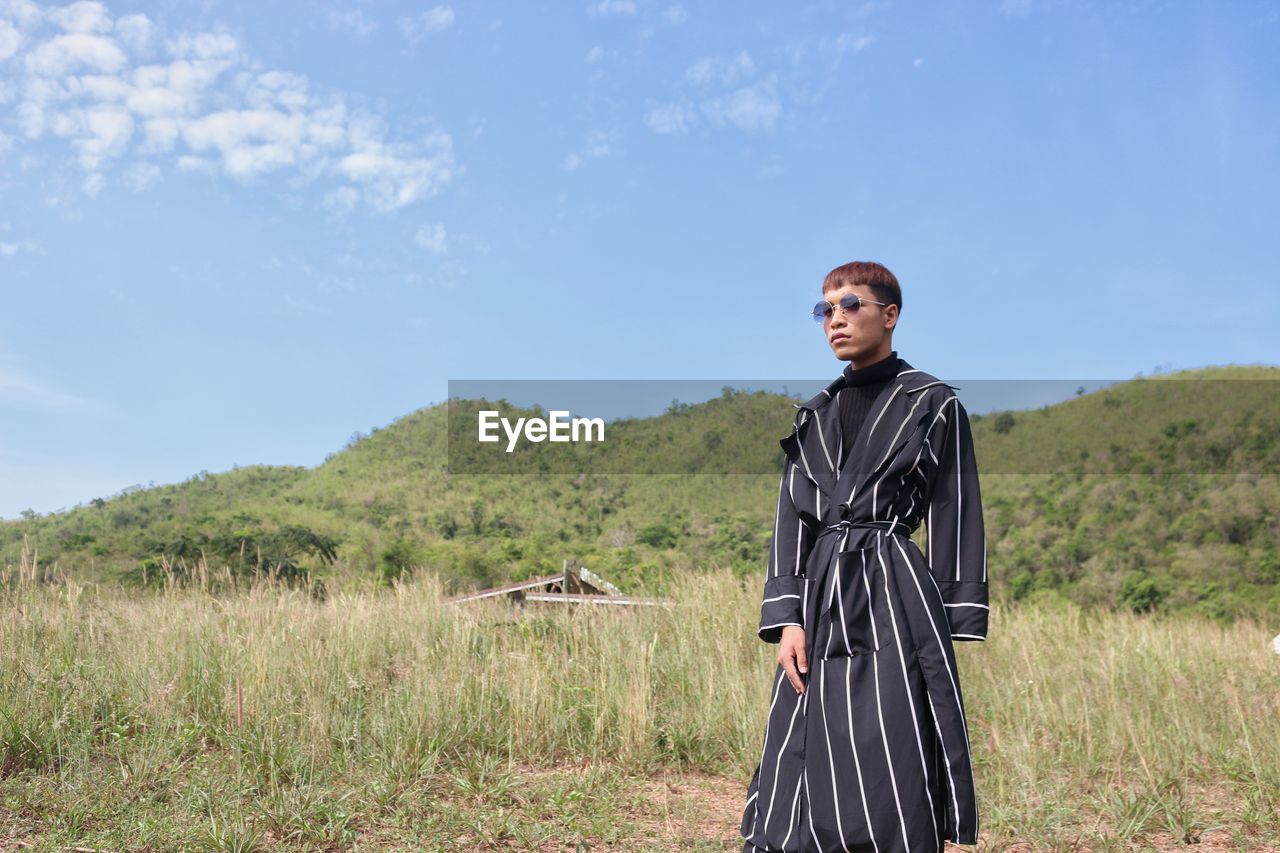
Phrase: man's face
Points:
(855, 335)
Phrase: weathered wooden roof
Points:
(573, 585)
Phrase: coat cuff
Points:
(782, 606)
(966, 606)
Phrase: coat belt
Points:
(894, 526)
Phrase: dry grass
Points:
(264, 719)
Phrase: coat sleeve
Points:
(789, 548)
(956, 547)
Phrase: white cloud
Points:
(20, 391)
(135, 31)
(204, 106)
(343, 198)
(252, 141)
(80, 51)
(8, 250)
(82, 17)
(676, 14)
(605, 8)
(1019, 8)
(22, 12)
(351, 21)
(670, 118)
(595, 54)
(10, 40)
(433, 238)
(714, 70)
(99, 133)
(391, 177)
(851, 42)
(750, 108)
(203, 46)
(723, 96)
(433, 20)
(140, 176)
(599, 144)
(917, 62)
(190, 163)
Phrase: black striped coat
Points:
(875, 754)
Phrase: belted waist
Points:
(889, 526)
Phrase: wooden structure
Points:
(575, 584)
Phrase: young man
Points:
(866, 746)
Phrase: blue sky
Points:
(235, 233)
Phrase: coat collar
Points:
(909, 379)
(815, 439)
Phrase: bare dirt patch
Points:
(685, 811)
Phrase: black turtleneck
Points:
(863, 385)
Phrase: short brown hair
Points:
(875, 276)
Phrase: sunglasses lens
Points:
(852, 302)
(821, 311)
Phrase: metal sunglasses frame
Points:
(855, 302)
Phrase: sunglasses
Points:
(849, 303)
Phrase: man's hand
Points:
(791, 656)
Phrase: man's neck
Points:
(872, 373)
(875, 358)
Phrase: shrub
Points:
(1140, 592)
(658, 535)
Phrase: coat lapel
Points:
(814, 442)
(815, 438)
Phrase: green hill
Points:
(1154, 493)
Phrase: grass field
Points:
(380, 720)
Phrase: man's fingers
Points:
(802, 662)
(784, 661)
(788, 661)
